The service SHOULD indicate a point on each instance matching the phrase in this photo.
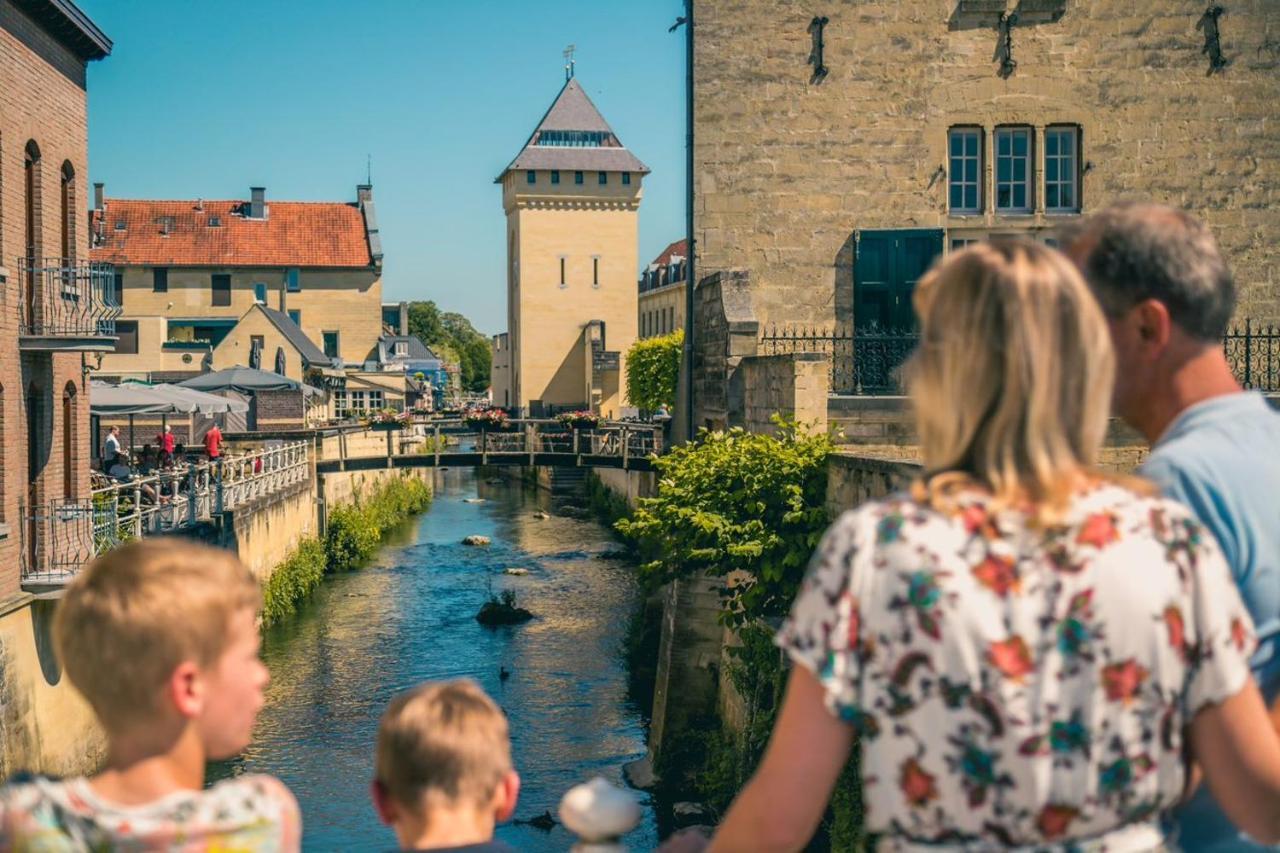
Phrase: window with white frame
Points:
(1013, 170)
(965, 175)
(1062, 169)
(375, 400)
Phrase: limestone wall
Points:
(47, 727)
(789, 167)
(794, 386)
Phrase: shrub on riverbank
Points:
(738, 502)
(354, 531)
(293, 580)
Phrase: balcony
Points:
(66, 306)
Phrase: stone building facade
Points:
(571, 198)
(662, 284)
(55, 316)
(840, 146)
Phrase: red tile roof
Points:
(294, 234)
(679, 247)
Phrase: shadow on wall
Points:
(843, 284)
(42, 613)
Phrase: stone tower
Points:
(572, 197)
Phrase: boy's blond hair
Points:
(139, 611)
(443, 739)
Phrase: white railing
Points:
(175, 498)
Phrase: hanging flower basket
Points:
(579, 420)
(487, 420)
(390, 419)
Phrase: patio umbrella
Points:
(246, 380)
(107, 399)
(200, 402)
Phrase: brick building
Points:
(54, 303)
(840, 146)
(55, 316)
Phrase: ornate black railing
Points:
(864, 360)
(62, 299)
(1254, 355)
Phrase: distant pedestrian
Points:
(1168, 294)
(442, 771)
(111, 448)
(165, 443)
(1023, 650)
(213, 443)
(160, 636)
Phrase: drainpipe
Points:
(690, 276)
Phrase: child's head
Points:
(161, 633)
(444, 746)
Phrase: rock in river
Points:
(476, 540)
(504, 612)
(515, 571)
(473, 500)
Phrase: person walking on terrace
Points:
(1021, 647)
(1168, 296)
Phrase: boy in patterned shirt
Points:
(160, 637)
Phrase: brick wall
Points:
(279, 409)
(42, 99)
(787, 169)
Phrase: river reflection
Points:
(410, 616)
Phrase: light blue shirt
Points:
(1222, 459)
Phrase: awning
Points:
(247, 380)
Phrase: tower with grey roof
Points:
(572, 199)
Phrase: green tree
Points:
(452, 337)
(738, 502)
(653, 369)
(424, 322)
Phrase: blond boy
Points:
(443, 775)
(160, 637)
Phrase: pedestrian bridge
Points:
(531, 442)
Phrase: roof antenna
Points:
(568, 63)
(368, 169)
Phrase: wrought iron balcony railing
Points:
(64, 304)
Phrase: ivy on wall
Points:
(653, 369)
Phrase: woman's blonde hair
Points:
(1011, 382)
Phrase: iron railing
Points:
(1254, 355)
(864, 360)
(65, 299)
(62, 537)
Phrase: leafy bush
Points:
(738, 502)
(653, 369)
(293, 580)
(354, 531)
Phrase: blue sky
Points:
(204, 99)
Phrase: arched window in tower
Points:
(67, 214)
(31, 199)
(69, 442)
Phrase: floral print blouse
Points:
(248, 813)
(1020, 685)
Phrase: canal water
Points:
(410, 616)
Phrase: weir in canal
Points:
(410, 616)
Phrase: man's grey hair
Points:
(1134, 251)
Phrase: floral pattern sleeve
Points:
(1224, 639)
(823, 632)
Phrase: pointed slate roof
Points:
(573, 111)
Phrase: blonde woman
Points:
(1022, 649)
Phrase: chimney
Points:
(99, 189)
(364, 193)
(258, 202)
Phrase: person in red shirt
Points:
(165, 442)
(213, 443)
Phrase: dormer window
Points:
(215, 221)
(120, 225)
(402, 348)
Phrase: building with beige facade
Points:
(571, 197)
(662, 291)
(187, 272)
(841, 147)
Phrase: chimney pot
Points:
(258, 202)
(99, 189)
